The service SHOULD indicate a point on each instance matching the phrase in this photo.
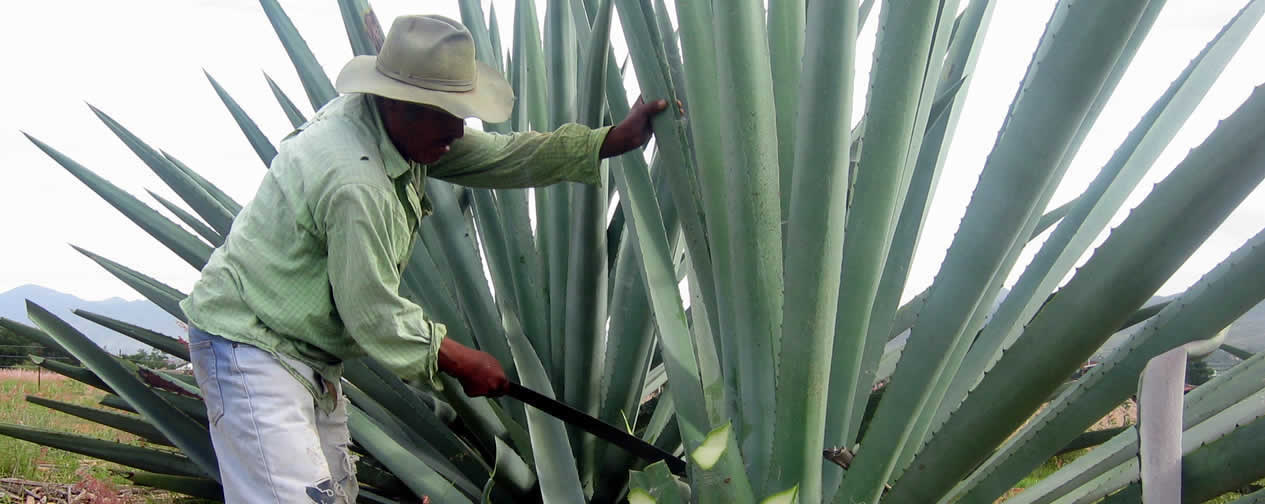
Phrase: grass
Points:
(25, 460)
(29, 461)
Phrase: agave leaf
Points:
(125, 423)
(652, 242)
(672, 49)
(201, 488)
(812, 267)
(646, 49)
(263, 148)
(522, 261)
(1220, 297)
(476, 413)
(1160, 426)
(742, 55)
(189, 190)
(863, 13)
(415, 444)
(511, 289)
(1225, 464)
(1256, 497)
(555, 463)
(630, 340)
(425, 284)
(315, 82)
(787, 21)
(699, 52)
(510, 468)
(79, 374)
(189, 436)
(562, 60)
(1000, 208)
(363, 30)
(940, 406)
(1179, 213)
(586, 275)
(926, 169)
(935, 94)
(448, 229)
(646, 228)
(405, 406)
(210, 235)
(527, 52)
(552, 203)
(1236, 351)
(654, 484)
(715, 458)
(1203, 403)
(170, 234)
(1102, 200)
(155, 339)
(709, 366)
(113, 401)
(157, 292)
(897, 83)
(291, 111)
(1051, 218)
(419, 477)
(524, 267)
(1091, 439)
(495, 38)
(129, 455)
(517, 433)
(225, 200)
(32, 334)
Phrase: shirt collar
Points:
(395, 163)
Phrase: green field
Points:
(29, 461)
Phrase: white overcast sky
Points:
(141, 61)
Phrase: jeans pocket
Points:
(202, 356)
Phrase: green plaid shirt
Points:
(311, 268)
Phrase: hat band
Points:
(428, 82)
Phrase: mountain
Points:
(1248, 333)
(141, 313)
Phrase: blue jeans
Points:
(272, 441)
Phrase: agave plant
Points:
(778, 379)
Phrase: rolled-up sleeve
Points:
(365, 281)
(526, 159)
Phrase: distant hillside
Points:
(1248, 333)
(141, 313)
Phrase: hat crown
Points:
(431, 52)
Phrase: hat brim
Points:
(491, 100)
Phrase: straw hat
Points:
(430, 60)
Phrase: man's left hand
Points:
(635, 130)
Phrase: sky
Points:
(142, 62)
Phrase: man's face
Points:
(421, 133)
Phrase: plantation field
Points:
(22, 460)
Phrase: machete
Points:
(596, 427)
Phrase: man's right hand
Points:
(479, 373)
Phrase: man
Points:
(309, 274)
